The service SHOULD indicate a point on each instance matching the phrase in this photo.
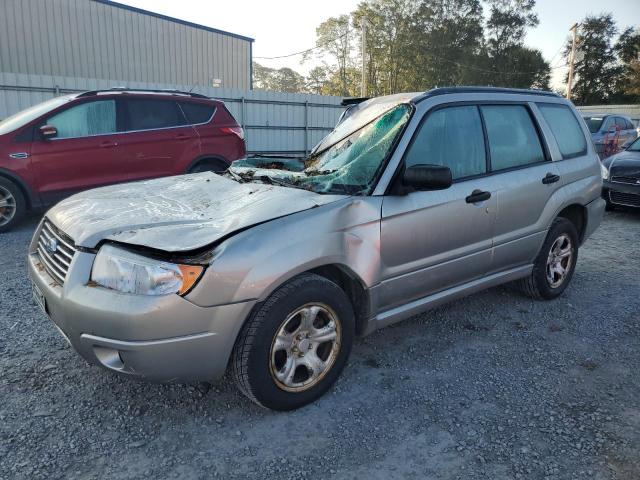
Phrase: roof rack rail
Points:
(517, 91)
(169, 91)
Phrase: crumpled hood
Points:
(176, 213)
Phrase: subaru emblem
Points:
(52, 245)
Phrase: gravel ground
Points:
(490, 387)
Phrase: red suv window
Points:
(147, 114)
(197, 112)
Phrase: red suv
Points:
(86, 140)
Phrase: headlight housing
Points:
(604, 171)
(129, 272)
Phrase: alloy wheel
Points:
(559, 261)
(7, 206)
(305, 347)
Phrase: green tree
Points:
(334, 42)
(278, 80)
(316, 80)
(509, 62)
(596, 68)
(627, 49)
(450, 47)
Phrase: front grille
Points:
(56, 251)
(630, 180)
(620, 198)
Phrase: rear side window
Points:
(629, 125)
(452, 137)
(565, 128)
(513, 139)
(86, 119)
(197, 112)
(147, 114)
(620, 123)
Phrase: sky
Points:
(280, 27)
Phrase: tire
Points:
(275, 377)
(538, 284)
(215, 166)
(609, 207)
(12, 205)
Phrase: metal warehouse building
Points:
(107, 40)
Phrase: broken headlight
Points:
(129, 272)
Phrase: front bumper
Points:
(162, 339)
(625, 194)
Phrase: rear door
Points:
(433, 240)
(525, 180)
(85, 152)
(157, 141)
(627, 132)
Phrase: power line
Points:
(463, 65)
(339, 37)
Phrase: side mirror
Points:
(48, 131)
(427, 177)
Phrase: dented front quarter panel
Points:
(253, 263)
(176, 214)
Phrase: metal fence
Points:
(632, 111)
(280, 123)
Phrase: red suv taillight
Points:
(238, 131)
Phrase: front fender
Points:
(253, 263)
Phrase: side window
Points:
(629, 125)
(452, 137)
(608, 125)
(620, 123)
(565, 128)
(513, 139)
(86, 119)
(197, 112)
(148, 114)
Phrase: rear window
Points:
(565, 128)
(197, 112)
(147, 114)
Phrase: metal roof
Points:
(172, 19)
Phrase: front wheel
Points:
(295, 345)
(554, 266)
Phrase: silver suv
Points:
(273, 268)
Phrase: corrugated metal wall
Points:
(274, 122)
(95, 39)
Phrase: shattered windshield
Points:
(348, 165)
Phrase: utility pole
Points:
(572, 58)
(363, 29)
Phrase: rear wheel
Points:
(556, 262)
(12, 205)
(208, 165)
(295, 345)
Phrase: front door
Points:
(433, 240)
(83, 155)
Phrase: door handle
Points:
(478, 196)
(181, 136)
(550, 178)
(108, 144)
